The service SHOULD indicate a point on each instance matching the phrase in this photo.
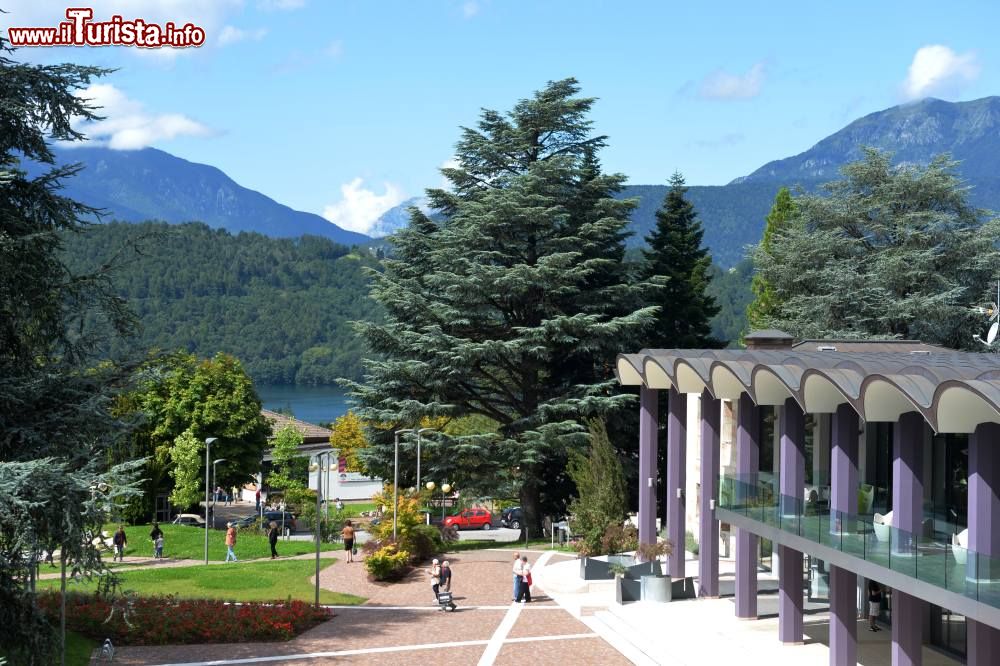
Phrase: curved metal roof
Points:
(954, 391)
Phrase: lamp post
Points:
(319, 493)
(208, 448)
(395, 482)
(419, 432)
(215, 480)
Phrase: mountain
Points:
(396, 218)
(149, 184)
(913, 132)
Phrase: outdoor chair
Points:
(960, 546)
(866, 495)
(882, 526)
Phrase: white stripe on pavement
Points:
(500, 635)
(376, 650)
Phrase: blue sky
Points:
(345, 108)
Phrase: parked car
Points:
(512, 517)
(290, 525)
(192, 519)
(470, 519)
(245, 522)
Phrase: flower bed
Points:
(162, 620)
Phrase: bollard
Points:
(108, 650)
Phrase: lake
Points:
(312, 404)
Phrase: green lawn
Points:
(78, 648)
(188, 543)
(242, 581)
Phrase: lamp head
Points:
(210, 440)
(446, 488)
(216, 462)
(429, 485)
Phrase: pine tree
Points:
(886, 251)
(512, 307)
(765, 302)
(676, 253)
(600, 488)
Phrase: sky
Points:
(345, 109)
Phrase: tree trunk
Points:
(531, 508)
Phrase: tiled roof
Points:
(310, 432)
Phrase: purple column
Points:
(907, 518)
(676, 477)
(843, 505)
(907, 482)
(708, 532)
(984, 536)
(747, 464)
(792, 484)
(648, 422)
(907, 629)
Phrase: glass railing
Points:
(935, 560)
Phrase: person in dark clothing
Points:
(874, 604)
(272, 538)
(120, 542)
(156, 532)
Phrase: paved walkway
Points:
(401, 624)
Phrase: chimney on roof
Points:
(768, 339)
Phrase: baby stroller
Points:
(444, 601)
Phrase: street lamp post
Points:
(215, 482)
(445, 488)
(419, 432)
(395, 483)
(319, 493)
(208, 448)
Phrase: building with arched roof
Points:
(871, 459)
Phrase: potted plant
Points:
(619, 570)
(655, 585)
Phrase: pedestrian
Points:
(445, 576)
(347, 534)
(524, 591)
(874, 604)
(120, 542)
(230, 542)
(517, 577)
(158, 547)
(155, 534)
(435, 574)
(339, 505)
(257, 497)
(272, 538)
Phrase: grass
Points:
(354, 510)
(484, 544)
(188, 543)
(242, 581)
(78, 648)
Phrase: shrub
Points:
(163, 620)
(422, 541)
(600, 486)
(619, 539)
(387, 563)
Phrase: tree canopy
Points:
(889, 251)
(511, 303)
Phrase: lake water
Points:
(312, 404)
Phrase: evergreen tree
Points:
(765, 302)
(56, 426)
(512, 307)
(889, 251)
(676, 253)
(600, 489)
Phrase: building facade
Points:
(851, 461)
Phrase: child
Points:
(159, 547)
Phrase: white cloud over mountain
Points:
(938, 70)
(360, 208)
(723, 85)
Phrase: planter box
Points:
(598, 568)
(656, 588)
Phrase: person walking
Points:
(517, 577)
(158, 547)
(524, 591)
(230, 543)
(874, 604)
(435, 574)
(120, 542)
(445, 576)
(257, 497)
(347, 534)
(155, 534)
(272, 538)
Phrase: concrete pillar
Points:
(792, 484)
(843, 500)
(907, 629)
(676, 477)
(747, 463)
(648, 424)
(907, 482)
(984, 535)
(708, 533)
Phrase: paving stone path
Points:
(401, 624)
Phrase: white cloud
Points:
(470, 9)
(937, 70)
(232, 35)
(723, 85)
(359, 208)
(127, 125)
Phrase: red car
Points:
(470, 519)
